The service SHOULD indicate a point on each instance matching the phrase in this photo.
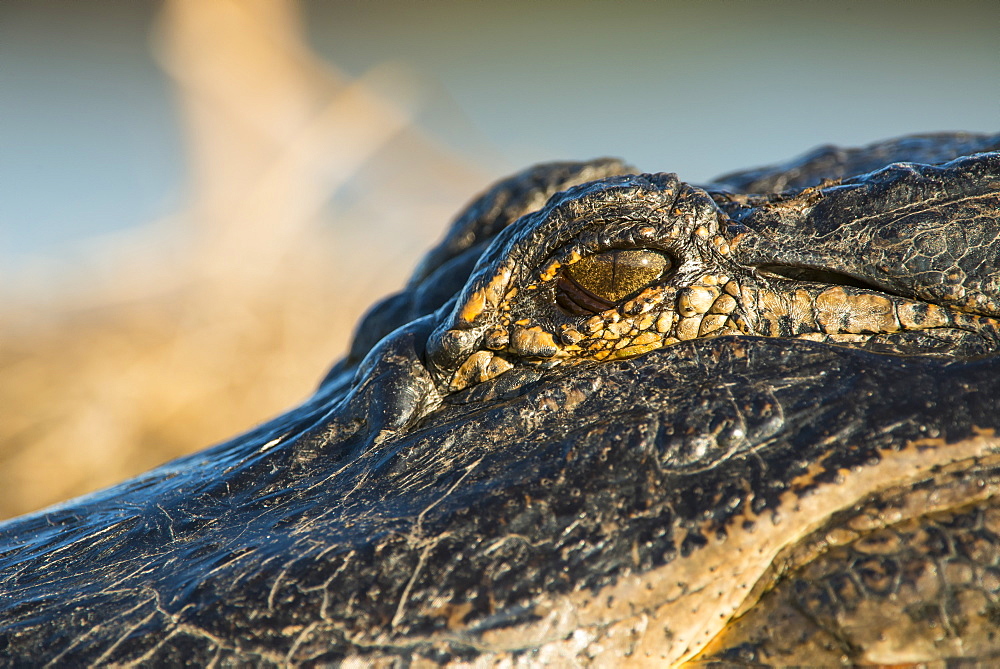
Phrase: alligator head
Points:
(902, 260)
(612, 416)
(615, 268)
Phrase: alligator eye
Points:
(616, 274)
(596, 283)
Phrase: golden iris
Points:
(616, 274)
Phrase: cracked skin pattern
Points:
(778, 448)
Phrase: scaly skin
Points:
(593, 430)
(917, 273)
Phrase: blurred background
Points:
(198, 199)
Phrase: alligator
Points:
(613, 418)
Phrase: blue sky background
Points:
(90, 143)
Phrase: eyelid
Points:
(609, 277)
(617, 273)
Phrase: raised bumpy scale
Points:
(613, 418)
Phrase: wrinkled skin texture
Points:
(778, 446)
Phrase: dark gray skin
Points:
(560, 504)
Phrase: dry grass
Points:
(191, 330)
